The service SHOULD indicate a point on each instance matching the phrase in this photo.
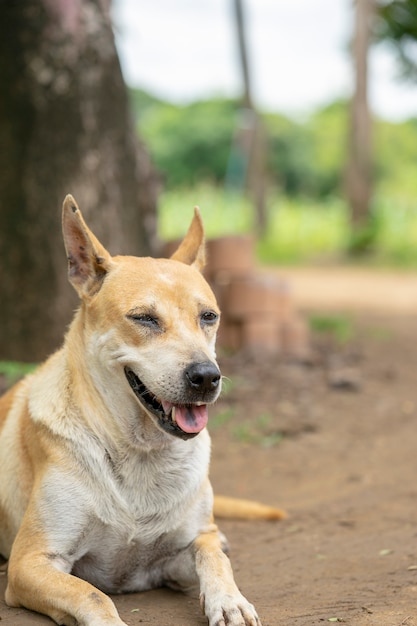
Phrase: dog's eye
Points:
(145, 319)
(208, 317)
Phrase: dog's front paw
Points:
(229, 610)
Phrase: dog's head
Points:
(149, 325)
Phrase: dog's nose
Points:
(203, 377)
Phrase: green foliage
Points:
(308, 158)
(224, 212)
(396, 240)
(221, 419)
(142, 102)
(13, 370)
(395, 158)
(397, 24)
(328, 131)
(192, 144)
(259, 431)
(290, 158)
(338, 326)
(187, 143)
(362, 238)
(300, 230)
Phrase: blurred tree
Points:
(359, 168)
(307, 158)
(249, 141)
(191, 144)
(188, 143)
(397, 24)
(64, 127)
(290, 156)
(328, 131)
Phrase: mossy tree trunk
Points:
(65, 127)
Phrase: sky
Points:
(185, 50)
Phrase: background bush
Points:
(308, 216)
(192, 144)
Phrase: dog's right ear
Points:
(192, 249)
(88, 260)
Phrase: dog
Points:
(104, 449)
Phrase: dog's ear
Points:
(192, 250)
(88, 260)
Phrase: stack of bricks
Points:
(258, 313)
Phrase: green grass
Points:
(299, 231)
(218, 420)
(258, 431)
(397, 231)
(13, 370)
(223, 213)
(340, 327)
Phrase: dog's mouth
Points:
(181, 420)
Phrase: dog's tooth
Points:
(173, 410)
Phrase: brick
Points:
(234, 255)
(229, 336)
(261, 334)
(256, 294)
(296, 337)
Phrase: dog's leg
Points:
(220, 598)
(66, 599)
(39, 581)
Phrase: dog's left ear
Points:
(192, 249)
(88, 260)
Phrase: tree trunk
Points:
(359, 171)
(65, 127)
(250, 138)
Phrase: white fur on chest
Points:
(131, 512)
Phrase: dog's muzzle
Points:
(202, 382)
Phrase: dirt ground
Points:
(333, 441)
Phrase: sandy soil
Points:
(334, 442)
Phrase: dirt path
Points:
(334, 442)
(346, 471)
(352, 289)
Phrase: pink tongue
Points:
(191, 418)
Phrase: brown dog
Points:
(104, 451)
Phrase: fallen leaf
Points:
(385, 552)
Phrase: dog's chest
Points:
(132, 517)
(132, 548)
(117, 565)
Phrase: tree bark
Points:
(251, 140)
(65, 127)
(359, 171)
